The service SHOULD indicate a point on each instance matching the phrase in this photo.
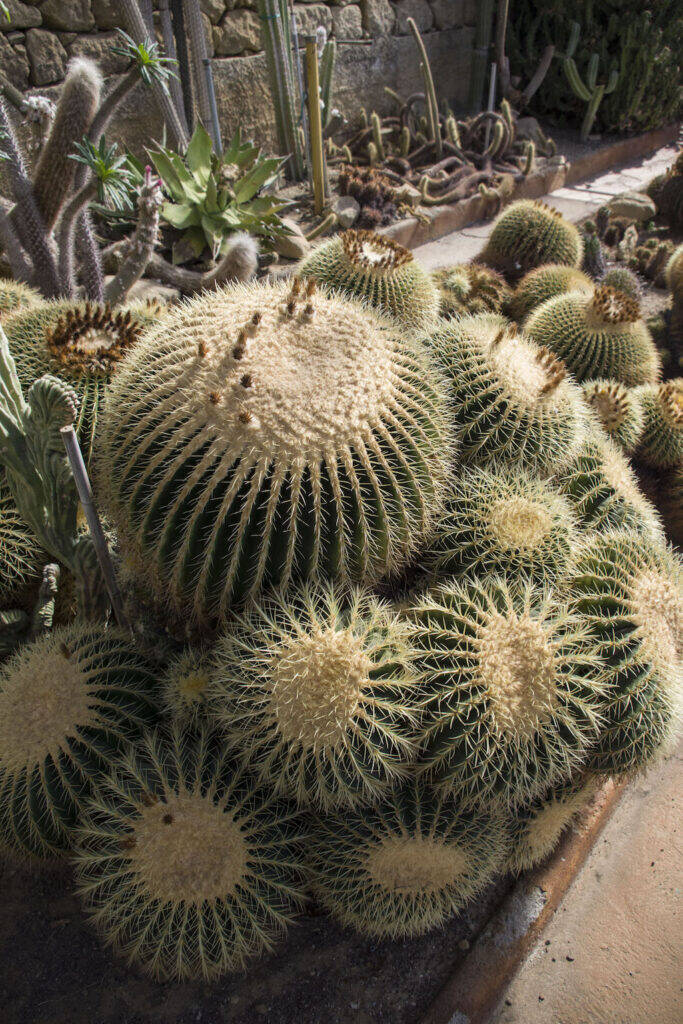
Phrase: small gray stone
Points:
(214, 9)
(448, 13)
(14, 63)
(379, 17)
(98, 47)
(347, 211)
(20, 16)
(347, 22)
(294, 246)
(418, 10)
(47, 56)
(70, 15)
(635, 206)
(107, 14)
(237, 32)
(310, 16)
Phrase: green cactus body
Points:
(673, 276)
(671, 497)
(82, 343)
(535, 829)
(528, 234)
(15, 295)
(67, 700)
(184, 686)
(500, 519)
(515, 683)
(604, 491)
(380, 272)
(621, 279)
(269, 433)
(511, 399)
(629, 590)
(468, 289)
(597, 336)
(319, 695)
(184, 865)
(661, 443)
(593, 261)
(618, 410)
(21, 557)
(405, 866)
(545, 283)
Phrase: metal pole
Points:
(217, 140)
(315, 121)
(80, 473)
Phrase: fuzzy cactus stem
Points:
(141, 246)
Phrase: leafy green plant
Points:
(212, 195)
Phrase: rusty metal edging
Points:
(475, 990)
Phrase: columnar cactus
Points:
(618, 409)
(468, 289)
(505, 520)
(67, 701)
(661, 443)
(599, 335)
(380, 272)
(535, 828)
(405, 866)
(545, 283)
(319, 695)
(629, 591)
(183, 863)
(268, 433)
(511, 398)
(515, 683)
(527, 234)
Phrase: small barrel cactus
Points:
(183, 863)
(501, 519)
(545, 283)
(405, 866)
(511, 398)
(184, 686)
(604, 491)
(593, 257)
(15, 295)
(599, 335)
(527, 234)
(67, 700)
(21, 557)
(535, 828)
(621, 279)
(661, 443)
(268, 433)
(379, 271)
(514, 683)
(618, 409)
(673, 275)
(629, 590)
(319, 695)
(468, 289)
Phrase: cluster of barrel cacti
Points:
(393, 602)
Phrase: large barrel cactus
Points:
(536, 828)
(529, 233)
(269, 433)
(545, 283)
(21, 557)
(661, 443)
(618, 410)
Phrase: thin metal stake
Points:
(208, 74)
(73, 451)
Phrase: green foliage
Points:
(110, 171)
(146, 56)
(211, 195)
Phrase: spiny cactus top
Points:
(184, 686)
(405, 866)
(527, 234)
(515, 683)
(379, 271)
(67, 701)
(15, 295)
(502, 519)
(511, 398)
(266, 433)
(319, 695)
(618, 409)
(469, 288)
(599, 335)
(544, 283)
(21, 557)
(535, 829)
(184, 864)
(629, 590)
(661, 443)
(623, 280)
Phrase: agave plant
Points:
(213, 195)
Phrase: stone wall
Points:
(39, 39)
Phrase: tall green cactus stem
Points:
(39, 476)
(377, 136)
(67, 701)
(268, 433)
(433, 118)
(328, 60)
(589, 91)
(480, 55)
(529, 158)
(139, 248)
(276, 33)
(194, 26)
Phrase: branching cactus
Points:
(267, 433)
(589, 91)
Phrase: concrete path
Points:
(574, 203)
(613, 952)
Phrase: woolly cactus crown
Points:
(379, 271)
(527, 234)
(544, 283)
(618, 410)
(599, 335)
(266, 433)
